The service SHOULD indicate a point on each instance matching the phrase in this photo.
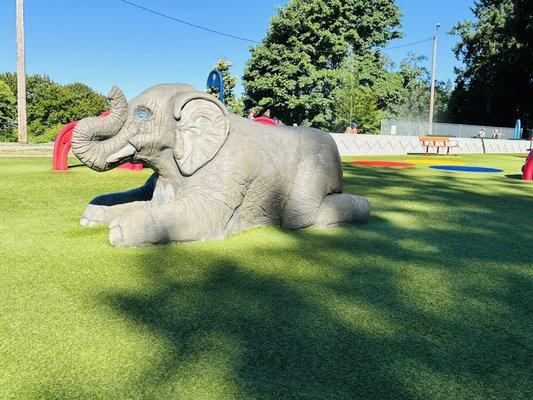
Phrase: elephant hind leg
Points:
(338, 208)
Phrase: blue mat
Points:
(464, 168)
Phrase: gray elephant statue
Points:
(215, 173)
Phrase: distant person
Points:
(481, 133)
(352, 129)
(267, 113)
(251, 114)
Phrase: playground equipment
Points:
(266, 121)
(385, 164)
(518, 129)
(527, 169)
(62, 146)
(465, 168)
(215, 81)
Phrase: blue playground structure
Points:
(215, 81)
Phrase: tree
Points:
(51, 105)
(413, 92)
(234, 104)
(357, 105)
(370, 88)
(8, 113)
(293, 71)
(353, 99)
(495, 85)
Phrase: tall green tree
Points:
(495, 85)
(412, 88)
(371, 88)
(293, 71)
(51, 105)
(354, 98)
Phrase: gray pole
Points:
(21, 75)
(433, 68)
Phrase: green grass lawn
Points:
(432, 299)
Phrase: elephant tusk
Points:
(126, 151)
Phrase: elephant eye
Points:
(142, 113)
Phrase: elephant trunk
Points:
(95, 138)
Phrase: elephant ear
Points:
(203, 126)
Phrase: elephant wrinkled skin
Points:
(215, 173)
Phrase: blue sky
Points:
(107, 42)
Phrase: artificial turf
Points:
(431, 299)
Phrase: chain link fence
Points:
(414, 128)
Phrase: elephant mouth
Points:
(126, 153)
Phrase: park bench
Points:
(437, 142)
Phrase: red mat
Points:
(386, 164)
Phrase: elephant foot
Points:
(93, 215)
(342, 208)
(115, 233)
(134, 229)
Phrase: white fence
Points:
(414, 128)
(352, 145)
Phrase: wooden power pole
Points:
(21, 75)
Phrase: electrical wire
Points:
(189, 23)
(408, 44)
(240, 37)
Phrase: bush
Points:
(8, 134)
(45, 134)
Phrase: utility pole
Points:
(352, 73)
(21, 75)
(433, 68)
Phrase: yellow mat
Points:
(435, 161)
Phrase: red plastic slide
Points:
(63, 144)
(266, 121)
(527, 169)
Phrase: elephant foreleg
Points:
(180, 221)
(105, 208)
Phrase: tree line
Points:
(49, 106)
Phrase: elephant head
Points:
(164, 127)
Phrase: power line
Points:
(189, 23)
(384, 49)
(240, 37)
(408, 44)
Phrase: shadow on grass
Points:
(515, 176)
(76, 165)
(376, 311)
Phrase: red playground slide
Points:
(266, 121)
(527, 169)
(63, 144)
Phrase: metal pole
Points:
(21, 75)
(433, 68)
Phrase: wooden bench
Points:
(437, 142)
